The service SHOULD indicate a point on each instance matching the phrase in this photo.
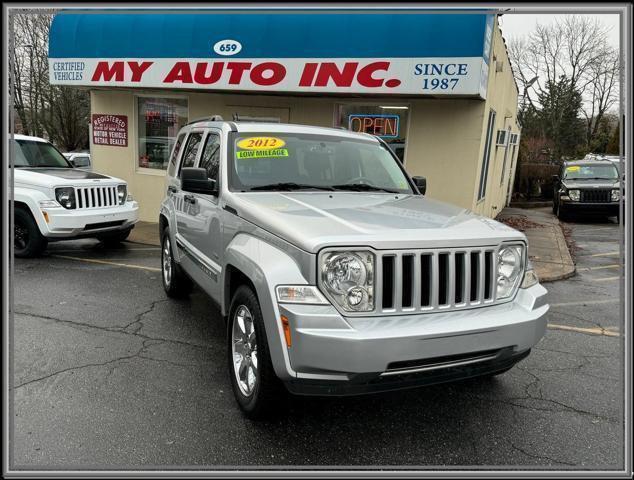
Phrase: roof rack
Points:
(213, 118)
(246, 118)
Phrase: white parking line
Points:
(104, 262)
(606, 279)
(602, 267)
(586, 302)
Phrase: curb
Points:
(562, 276)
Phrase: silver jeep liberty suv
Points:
(334, 273)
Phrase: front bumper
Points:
(64, 224)
(610, 208)
(333, 355)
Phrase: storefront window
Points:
(159, 120)
(388, 122)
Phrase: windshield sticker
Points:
(574, 168)
(278, 152)
(261, 143)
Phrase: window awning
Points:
(290, 50)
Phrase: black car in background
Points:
(589, 186)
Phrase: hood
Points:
(569, 183)
(51, 177)
(312, 220)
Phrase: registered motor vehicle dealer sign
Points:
(110, 130)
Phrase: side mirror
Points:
(421, 184)
(72, 162)
(195, 180)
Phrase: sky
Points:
(518, 25)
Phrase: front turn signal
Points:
(287, 330)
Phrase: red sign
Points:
(110, 130)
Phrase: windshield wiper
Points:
(591, 178)
(362, 187)
(290, 186)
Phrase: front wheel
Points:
(27, 239)
(256, 388)
(561, 213)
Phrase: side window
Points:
(210, 159)
(191, 150)
(172, 162)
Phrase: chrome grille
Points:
(423, 280)
(596, 196)
(96, 197)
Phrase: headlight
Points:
(574, 195)
(307, 294)
(348, 278)
(65, 196)
(616, 195)
(122, 193)
(510, 268)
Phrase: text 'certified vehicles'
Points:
(55, 201)
(335, 274)
(590, 186)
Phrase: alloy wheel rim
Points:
(167, 262)
(20, 236)
(244, 350)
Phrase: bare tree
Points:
(59, 113)
(603, 90)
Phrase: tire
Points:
(175, 282)
(554, 207)
(28, 242)
(114, 238)
(561, 213)
(249, 359)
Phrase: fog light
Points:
(356, 296)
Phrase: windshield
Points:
(591, 172)
(29, 153)
(293, 161)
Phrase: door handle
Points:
(190, 199)
(171, 189)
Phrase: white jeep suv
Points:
(54, 201)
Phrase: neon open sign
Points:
(380, 125)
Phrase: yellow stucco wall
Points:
(445, 137)
(502, 98)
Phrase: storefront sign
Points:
(111, 130)
(380, 125)
(439, 54)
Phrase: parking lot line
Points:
(606, 279)
(602, 267)
(586, 302)
(592, 331)
(605, 254)
(105, 262)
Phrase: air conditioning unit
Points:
(515, 139)
(502, 138)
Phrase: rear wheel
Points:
(175, 282)
(27, 239)
(257, 389)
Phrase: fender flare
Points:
(266, 266)
(30, 198)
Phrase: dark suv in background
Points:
(590, 186)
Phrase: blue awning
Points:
(165, 34)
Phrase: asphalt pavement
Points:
(109, 373)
